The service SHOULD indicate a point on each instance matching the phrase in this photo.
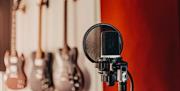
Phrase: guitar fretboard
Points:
(13, 33)
(66, 47)
(39, 50)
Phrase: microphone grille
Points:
(110, 43)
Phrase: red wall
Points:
(150, 30)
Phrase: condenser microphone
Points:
(103, 45)
(110, 60)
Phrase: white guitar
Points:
(41, 79)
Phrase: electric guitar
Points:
(67, 75)
(41, 78)
(15, 77)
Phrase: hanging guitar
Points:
(67, 75)
(15, 77)
(41, 79)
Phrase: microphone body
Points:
(111, 66)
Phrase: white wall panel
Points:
(82, 15)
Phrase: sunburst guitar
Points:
(67, 75)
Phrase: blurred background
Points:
(150, 30)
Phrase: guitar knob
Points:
(45, 86)
(20, 81)
(76, 77)
(20, 86)
(77, 85)
(71, 81)
(73, 89)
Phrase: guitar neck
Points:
(66, 47)
(13, 33)
(14, 8)
(39, 50)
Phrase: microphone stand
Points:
(114, 70)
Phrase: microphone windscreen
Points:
(110, 43)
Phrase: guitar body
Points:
(41, 78)
(67, 75)
(76, 76)
(15, 77)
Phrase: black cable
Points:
(131, 81)
(123, 86)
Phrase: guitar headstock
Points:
(19, 5)
(16, 4)
(43, 2)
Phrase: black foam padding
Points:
(110, 43)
